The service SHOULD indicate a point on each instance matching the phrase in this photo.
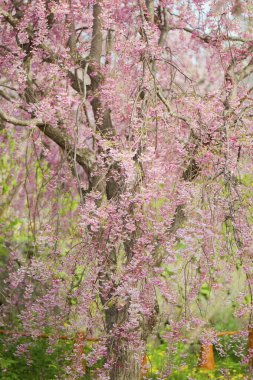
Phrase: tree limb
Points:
(8, 17)
(96, 43)
(83, 156)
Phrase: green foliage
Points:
(40, 361)
(183, 362)
(37, 363)
(224, 320)
(205, 291)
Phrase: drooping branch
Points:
(203, 36)
(83, 156)
(168, 107)
(207, 37)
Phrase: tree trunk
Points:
(126, 366)
(124, 356)
(124, 362)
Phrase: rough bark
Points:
(126, 360)
(126, 367)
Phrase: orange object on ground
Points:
(207, 357)
(45, 336)
(228, 333)
(144, 369)
(78, 351)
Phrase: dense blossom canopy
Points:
(126, 144)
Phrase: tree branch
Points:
(246, 71)
(83, 156)
(8, 17)
(96, 43)
(208, 38)
(167, 105)
(151, 9)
